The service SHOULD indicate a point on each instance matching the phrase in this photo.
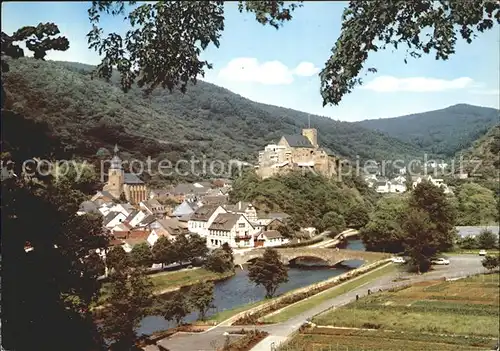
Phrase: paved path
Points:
(460, 266)
(335, 241)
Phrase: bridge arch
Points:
(332, 256)
(318, 261)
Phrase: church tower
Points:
(116, 176)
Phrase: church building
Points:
(128, 184)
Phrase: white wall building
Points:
(271, 238)
(203, 217)
(232, 228)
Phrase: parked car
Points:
(441, 261)
(398, 260)
(482, 252)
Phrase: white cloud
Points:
(306, 69)
(387, 84)
(247, 69)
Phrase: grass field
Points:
(435, 315)
(166, 281)
(304, 305)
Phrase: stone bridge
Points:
(330, 256)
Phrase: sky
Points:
(280, 67)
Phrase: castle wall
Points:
(312, 135)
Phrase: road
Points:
(460, 266)
(335, 241)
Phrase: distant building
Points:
(127, 184)
(186, 208)
(473, 231)
(297, 152)
(437, 182)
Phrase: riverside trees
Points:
(421, 225)
(268, 271)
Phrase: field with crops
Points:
(433, 315)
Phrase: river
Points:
(238, 290)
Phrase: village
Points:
(133, 214)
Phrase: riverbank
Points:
(254, 315)
(166, 282)
(298, 307)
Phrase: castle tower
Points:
(116, 176)
(312, 135)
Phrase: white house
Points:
(231, 228)
(135, 218)
(270, 238)
(157, 233)
(104, 209)
(244, 208)
(112, 219)
(126, 209)
(397, 187)
(383, 187)
(203, 217)
(435, 181)
(153, 207)
(186, 208)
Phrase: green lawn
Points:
(433, 315)
(226, 314)
(299, 307)
(465, 307)
(171, 280)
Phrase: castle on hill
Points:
(127, 184)
(294, 152)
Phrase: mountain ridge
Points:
(444, 131)
(208, 121)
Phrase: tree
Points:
(333, 221)
(487, 239)
(117, 258)
(153, 61)
(432, 200)
(490, 262)
(476, 205)
(357, 216)
(95, 265)
(58, 285)
(219, 261)
(176, 308)
(419, 242)
(197, 247)
(59, 273)
(163, 251)
(428, 226)
(201, 297)
(103, 153)
(129, 301)
(268, 271)
(468, 243)
(141, 255)
(383, 232)
(181, 246)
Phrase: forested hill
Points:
(486, 150)
(443, 132)
(208, 120)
